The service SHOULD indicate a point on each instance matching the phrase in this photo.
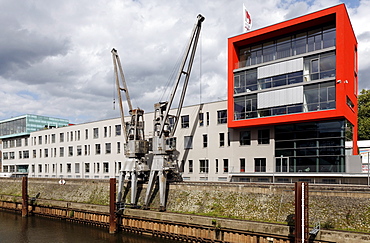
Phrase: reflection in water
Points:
(14, 228)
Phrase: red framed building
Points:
(298, 78)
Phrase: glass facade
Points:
(311, 146)
(24, 125)
(319, 96)
(292, 45)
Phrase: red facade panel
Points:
(346, 68)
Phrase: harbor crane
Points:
(164, 162)
(135, 166)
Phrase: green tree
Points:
(364, 115)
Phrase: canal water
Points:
(14, 229)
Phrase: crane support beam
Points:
(164, 164)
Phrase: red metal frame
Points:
(346, 69)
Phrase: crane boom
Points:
(191, 48)
(163, 142)
(136, 147)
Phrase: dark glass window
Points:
(312, 146)
(185, 121)
(245, 138)
(264, 136)
(260, 165)
(242, 165)
(299, 43)
(222, 117)
(205, 141)
(203, 166)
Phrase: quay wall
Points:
(340, 207)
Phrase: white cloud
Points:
(55, 56)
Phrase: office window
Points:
(18, 142)
(260, 165)
(185, 121)
(79, 150)
(188, 142)
(86, 134)
(97, 148)
(245, 138)
(221, 117)
(52, 138)
(201, 119)
(203, 166)
(78, 135)
(105, 132)
(87, 167)
(226, 165)
(34, 153)
(70, 151)
(190, 166)
(118, 130)
(40, 139)
(20, 154)
(264, 136)
(242, 165)
(222, 139)
(228, 138)
(71, 133)
(26, 142)
(40, 168)
(69, 168)
(61, 152)
(216, 162)
(96, 132)
(60, 168)
(205, 141)
(61, 137)
(108, 148)
(26, 154)
(207, 117)
(105, 167)
(320, 96)
(118, 147)
(46, 153)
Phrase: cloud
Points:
(55, 56)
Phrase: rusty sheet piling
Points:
(301, 212)
(24, 196)
(113, 225)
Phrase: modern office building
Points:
(17, 129)
(292, 104)
(298, 79)
(25, 124)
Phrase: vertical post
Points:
(112, 207)
(368, 169)
(24, 196)
(301, 212)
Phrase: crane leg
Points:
(162, 190)
(151, 182)
(133, 188)
(121, 181)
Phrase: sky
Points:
(55, 56)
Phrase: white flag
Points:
(247, 20)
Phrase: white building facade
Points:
(209, 150)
